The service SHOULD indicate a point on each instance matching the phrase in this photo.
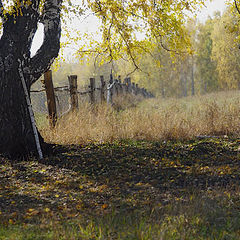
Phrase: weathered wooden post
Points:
(92, 90)
(133, 88)
(73, 92)
(120, 85)
(125, 85)
(103, 85)
(119, 79)
(30, 111)
(137, 89)
(117, 87)
(109, 94)
(110, 91)
(51, 101)
(129, 85)
(127, 81)
(145, 92)
(114, 84)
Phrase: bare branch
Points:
(49, 50)
(92, 51)
(99, 5)
(159, 39)
(133, 71)
(129, 51)
(109, 41)
(237, 6)
(95, 60)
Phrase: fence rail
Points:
(72, 95)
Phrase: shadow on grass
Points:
(123, 177)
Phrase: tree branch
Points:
(237, 6)
(35, 4)
(49, 50)
(133, 71)
(1, 9)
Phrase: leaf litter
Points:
(124, 176)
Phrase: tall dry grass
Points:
(152, 119)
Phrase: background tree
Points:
(206, 67)
(225, 50)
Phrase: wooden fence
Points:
(115, 87)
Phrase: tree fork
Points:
(16, 132)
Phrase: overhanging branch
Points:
(35, 4)
(237, 6)
(1, 9)
(23, 3)
(45, 56)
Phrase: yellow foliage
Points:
(121, 24)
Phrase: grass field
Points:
(145, 185)
(153, 119)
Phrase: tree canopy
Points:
(127, 27)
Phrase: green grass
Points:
(125, 190)
(133, 226)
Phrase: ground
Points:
(193, 184)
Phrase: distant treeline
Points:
(213, 63)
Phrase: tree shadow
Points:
(125, 176)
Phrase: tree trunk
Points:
(16, 135)
(16, 131)
(192, 77)
(183, 82)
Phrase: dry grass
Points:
(152, 119)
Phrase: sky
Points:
(211, 7)
(89, 25)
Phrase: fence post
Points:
(110, 91)
(51, 101)
(111, 78)
(119, 79)
(145, 92)
(125, 85)
(109, 95)
(73, 92)
(103, 84)
(116, 87)
(92, 90)
(137, 89)
(133, 88)
(120, 84)
(129, 85)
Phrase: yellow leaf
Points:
(104, 206)
(79, 206)
(47, 210)
(10, 221)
